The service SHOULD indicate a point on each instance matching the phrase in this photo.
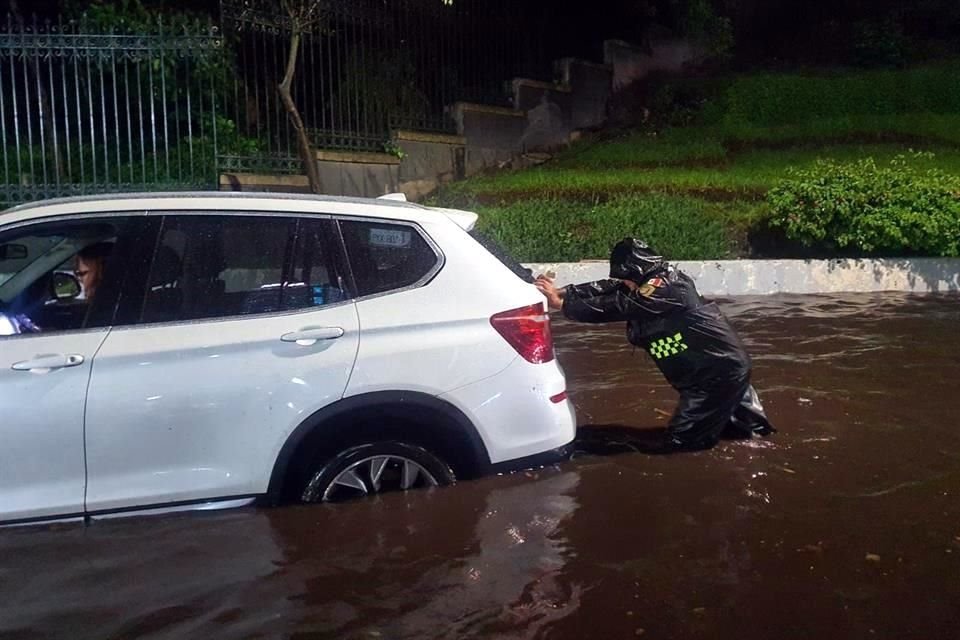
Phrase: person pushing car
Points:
(689, 338)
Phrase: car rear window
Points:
(385, 257)
(501, 254)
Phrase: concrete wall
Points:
(358, 174)
(264, 182)
(492, 134)
(763, 277)
(548, 108)
(545, 116)
(341, 173)
(590, 87)
(428, 161)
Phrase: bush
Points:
(682, 101)
(562, 230)
(779, 99)
(898, 209)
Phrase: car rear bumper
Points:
(514, 415)
(535, 461)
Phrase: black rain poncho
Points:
(690, 340)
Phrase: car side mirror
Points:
(66, 286)
(13, 251)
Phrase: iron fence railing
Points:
(84, 111)
(87, 110)
(366, 67)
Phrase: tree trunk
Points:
(305, 149)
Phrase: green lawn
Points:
(639, 164)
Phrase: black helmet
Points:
(632, 259)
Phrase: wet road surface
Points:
(845, 524)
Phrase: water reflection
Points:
(457, 563)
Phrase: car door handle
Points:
(42, 364)
(309, 337)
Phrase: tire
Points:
(374, 468)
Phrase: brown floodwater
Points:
(845, 524)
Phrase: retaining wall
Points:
(764, 277)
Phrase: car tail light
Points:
(528, 331)
(560, 397)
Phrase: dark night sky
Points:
(811, 30)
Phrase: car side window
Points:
(63, 275)
(210, 266)
(386, 256)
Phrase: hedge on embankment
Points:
(892, 209)
(772, 100)
(567, 230)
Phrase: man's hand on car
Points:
(547, 288)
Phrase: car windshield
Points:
(32, 248)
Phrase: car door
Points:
(246, 327)
(48, 340)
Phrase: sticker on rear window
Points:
(389, 237)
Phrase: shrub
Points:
(682, 101)
(898, 209)
(563, 230)
(778, 99)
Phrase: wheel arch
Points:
(444, 429)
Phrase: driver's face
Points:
(89, 273)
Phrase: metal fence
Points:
(370, 66)
(84, 111)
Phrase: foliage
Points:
(681, 102)
(841, 98)
(878, 43)
(189, 160)
(644, 149)
(720, 170)
(386, 86)
(726, 147)
(788, 98)
(132, 17)
(554, 230)
(703, 169)
(841, 32)
(394, 149)
(180, 78)
(701, 22)
(862, 206)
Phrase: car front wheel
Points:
(375, 468)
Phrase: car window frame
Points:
(127, 240)
(426, 279)
(162, 214)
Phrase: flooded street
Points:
(845, 524)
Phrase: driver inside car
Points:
(89, 267)
(34, 312)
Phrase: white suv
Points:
(229, 347)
